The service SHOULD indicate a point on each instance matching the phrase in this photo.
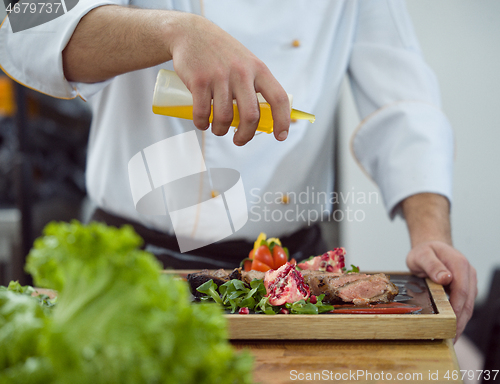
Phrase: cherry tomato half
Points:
(246, 264)
(260, 266)
(263, 254)
(279, 256)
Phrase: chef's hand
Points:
(433, 256)
(211, 63)
(444, 265)
(214, 65)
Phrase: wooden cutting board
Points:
(436, 320)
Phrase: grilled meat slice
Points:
(236, 274)
(374, 289)
(219, 277)
(221, 274)
(357, 288)
(247, 277)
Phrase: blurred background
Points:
(42, 165)
(43, 144)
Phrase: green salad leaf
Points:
(302, 307)
(234, 295)
(118, 319)
(210, 289)
(44, 300)
(307, 308)
(22, 324)
(353, 269)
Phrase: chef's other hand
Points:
(432, 255)
(214, 65)
(444, 265)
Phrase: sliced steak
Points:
(221, 274)
(357, 288)
(219, 277)
(373, 289)
(247, 277)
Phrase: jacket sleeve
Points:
(404, 142)
(33, 57)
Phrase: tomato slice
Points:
(279, 256)
(250, 255)
(263, 254)
(246, 264)
(260, 266)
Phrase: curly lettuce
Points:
(118, 319)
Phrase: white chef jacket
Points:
(404, 142)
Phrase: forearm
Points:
(428, 218)
(111, 40)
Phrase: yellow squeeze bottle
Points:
(172, 98)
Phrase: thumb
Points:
(424, 261)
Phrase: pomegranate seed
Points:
(284, 311)
(244, 311)
(329, 268)
(313, 299)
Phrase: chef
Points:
(108, 52)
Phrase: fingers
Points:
(463, 300)
(249, 119)
(423, 262)
(463, 288)
(223, 109)
(277, 98)
(202, 100)
(445, 265)
(244, 91)
(224, 112)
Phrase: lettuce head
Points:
(118, 318)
